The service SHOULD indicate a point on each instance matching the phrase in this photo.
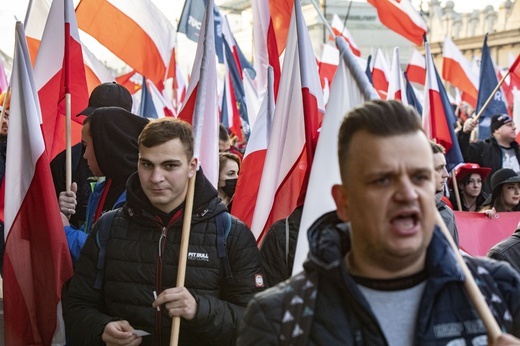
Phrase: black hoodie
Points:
(114, 134)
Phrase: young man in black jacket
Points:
(379, 272)
(142, 256)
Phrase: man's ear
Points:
(340, 198)
(193, 167)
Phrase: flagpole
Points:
(492, 95)
(68, 150)
(322, 17)
(456, 188)
(183, 255)
(491, 325)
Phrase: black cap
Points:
(108, 94)
(498, 120)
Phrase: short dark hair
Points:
(437, 148)
(223, 157)
(380, 118)
(162, 130)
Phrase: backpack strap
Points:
(223, 223)
(103, 233)
(298, 308)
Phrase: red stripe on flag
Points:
(188, 108)
(439, 127)
(37, 263)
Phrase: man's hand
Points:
(469, 125)
(120, 333)
(506, 340)
(178, 301)
(68, 201)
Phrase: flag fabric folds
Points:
(380, 74)
(457, 70)
(293, 132)
(438, 117)
(37, 261)
(200, 108)
(51, 77)
(396, 87)
(401, 17)
(487, 83)
(416, 69)
(136, 31)
(350, 88)
(340, 30)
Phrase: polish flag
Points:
(131, 81)
(35, 21)
(248, 183)
(350, 88)
(270, 26)
(438, 117)
(328, 63)
(136, 31)
(95, 71)
(456, 69)
(60, 51)
(201, 108)
(396, 86)
(297, 117)
(416, 69)
(380, 74)
(37, 261)
(400, 16)
(340, 30)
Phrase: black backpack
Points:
(222, 221)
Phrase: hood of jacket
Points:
(114, 134)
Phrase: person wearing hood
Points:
(379, 271)
(506, 193)
(142, 257)
(109, 136)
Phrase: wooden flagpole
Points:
(456, 189)
(492, 327)
(183, 254)
(492, 95)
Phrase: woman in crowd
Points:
(469, 178)
(229, 168)
(506, 193)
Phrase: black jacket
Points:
(134, 269)
(486, 153)
(342, 315)
(508, 250)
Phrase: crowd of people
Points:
(379, 270)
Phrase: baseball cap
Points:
(108, 94)
(498, 120)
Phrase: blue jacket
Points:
(342, 316)
(76, 237)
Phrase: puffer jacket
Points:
(136, 265)
(342, 316)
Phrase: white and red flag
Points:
(244, 199)
(59, 58)
(456, 69)
(297, 117)
(396, 86)
(340, 30)
(201, 108)
(328, 64)
(95, 71)
(350, 88)
(400, 16)
(37, 261)
(416, 69)
(380, 74)
(136, 31)
(35, 19)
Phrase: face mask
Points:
(229, 188)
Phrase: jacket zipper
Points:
(158, 283)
